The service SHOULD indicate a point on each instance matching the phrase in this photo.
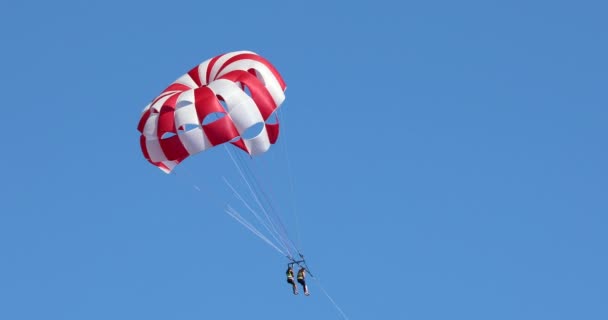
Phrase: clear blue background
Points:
(449, 160)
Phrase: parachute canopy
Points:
(214, 103)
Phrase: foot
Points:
(306, 293)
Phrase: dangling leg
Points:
(304, 286)
(293, 285)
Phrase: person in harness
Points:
(289, 274)
(302, 280)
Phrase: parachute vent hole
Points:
(247, 91)
(274, 118)
(188, 127)
(222, 102)
(168, 135)
(257, 74)
(213, 117)
(253, 131)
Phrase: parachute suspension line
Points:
(269, 203)
(254, 195)
(186, 177)
(234, 214)
(283, 147)
(330, 298)
(255, 191)
(255, 214)
(258, 182)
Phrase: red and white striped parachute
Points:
(214, 103)
(223, 100)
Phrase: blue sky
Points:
(448, 161)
